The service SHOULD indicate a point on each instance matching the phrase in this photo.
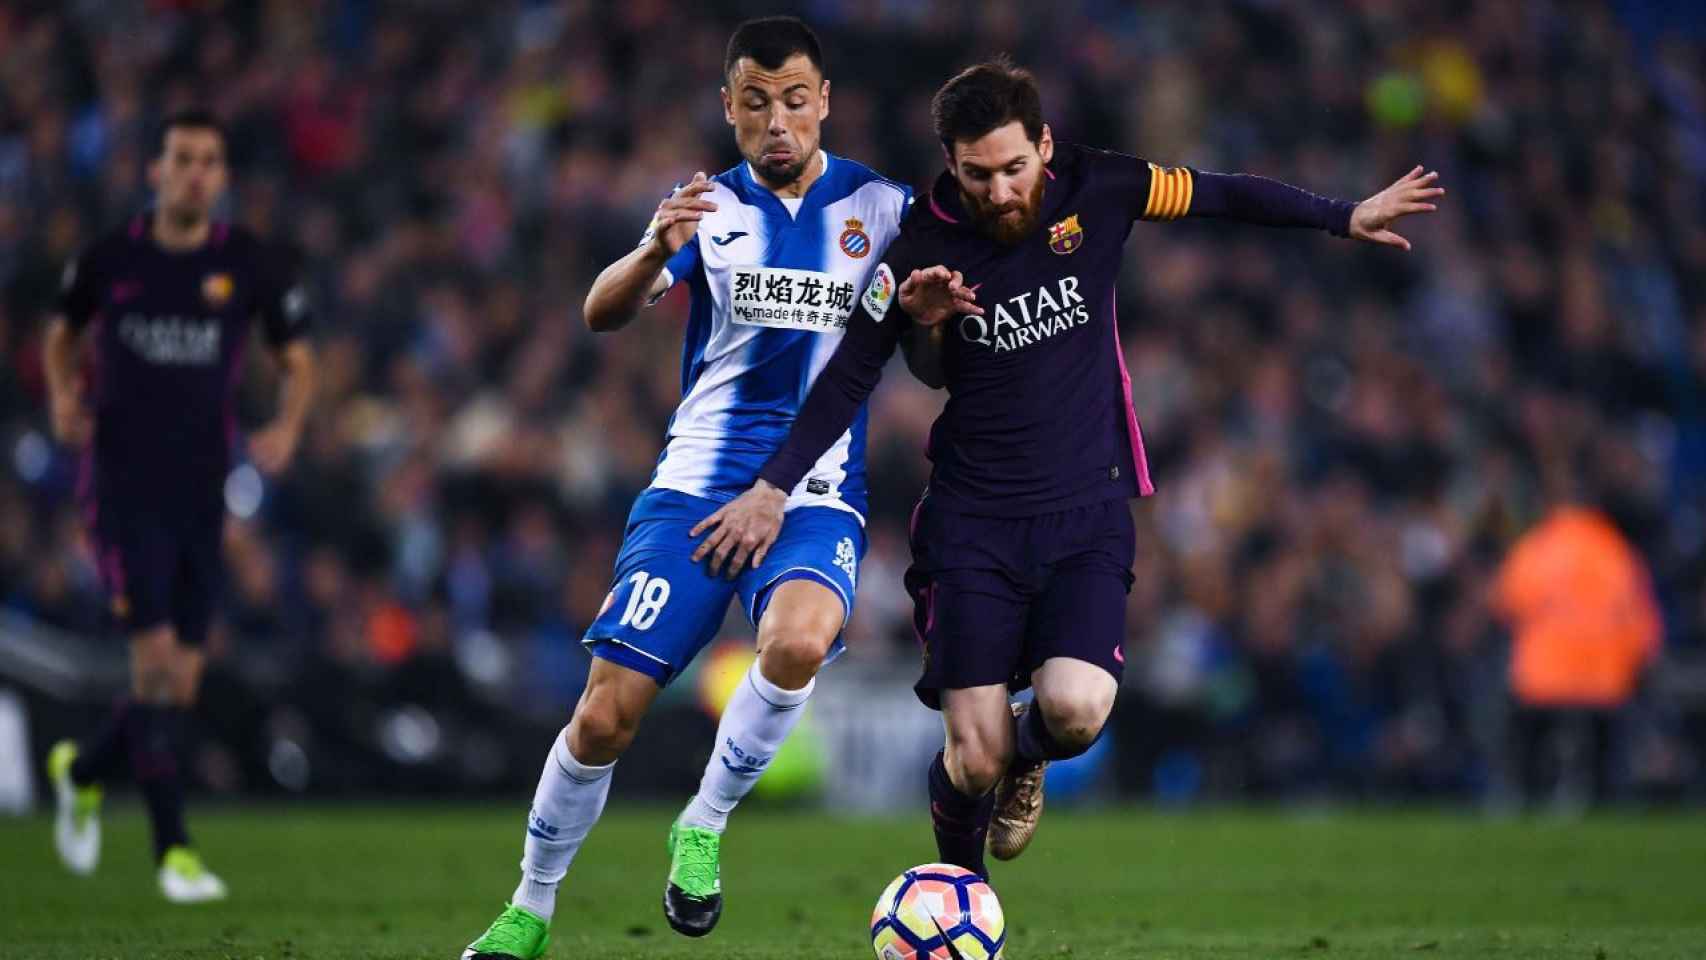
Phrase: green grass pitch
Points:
(381, 883)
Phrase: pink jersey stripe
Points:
(1144, 485)
(936, 208)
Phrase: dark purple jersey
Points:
(169, 330)
(1039, 416)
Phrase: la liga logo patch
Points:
(880, 293)
(1066, 236)
(855, 242)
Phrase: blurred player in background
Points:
(773, 252)
(1023, 543)
(166, 306)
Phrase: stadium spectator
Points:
(1584, 628)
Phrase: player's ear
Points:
(823, 102)
(154, 172)
(948, 157)
(728, 106)
(1045, 144)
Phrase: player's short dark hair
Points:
(770, 41)
(984, 98)
(190, 119)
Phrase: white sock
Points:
(756, 721)
(566, 805)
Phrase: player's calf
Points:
(978, 749)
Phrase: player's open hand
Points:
(743, 528)
(935, 294)
(1373, 218)
(679, 215)
(72, 424)
(273, 446)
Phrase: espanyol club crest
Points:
(854, 241)
(1066, 236)
(216, 289)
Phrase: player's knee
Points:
(1076, 720)
(601, 730)
(975, 764)
(153, 665)
(794, 638)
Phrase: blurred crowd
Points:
(1346, 439)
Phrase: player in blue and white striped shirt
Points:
(774, 253)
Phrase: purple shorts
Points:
(993, 598)
(159, 564)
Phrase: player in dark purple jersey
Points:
(142, 368)
(1023, 542)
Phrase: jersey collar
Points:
(766, 196)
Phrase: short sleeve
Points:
(80, 289)
(284, 304)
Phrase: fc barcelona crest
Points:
(854, 241)
(216, 289)
(1066, 236)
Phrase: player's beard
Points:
(1003, 229)
(188, 213)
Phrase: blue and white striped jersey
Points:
(771, 291)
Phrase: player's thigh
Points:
(662, 608)
(803, 591)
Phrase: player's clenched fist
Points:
(935, 294)
(679, 215)
(744, 527)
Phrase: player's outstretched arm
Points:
(1414, 192)
(274, 445)
(627, 285)
(1181, 192)
(61, 364)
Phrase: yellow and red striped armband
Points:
(1169, 193)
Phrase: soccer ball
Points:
(938, 912)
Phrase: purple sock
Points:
(960, 822)
(155, 745)
(102, 756)
(1034, 744)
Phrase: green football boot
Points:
(77, 815)
(516, 934)
(693, 900)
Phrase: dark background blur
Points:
(1347, 440)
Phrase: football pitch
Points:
(418, 883)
